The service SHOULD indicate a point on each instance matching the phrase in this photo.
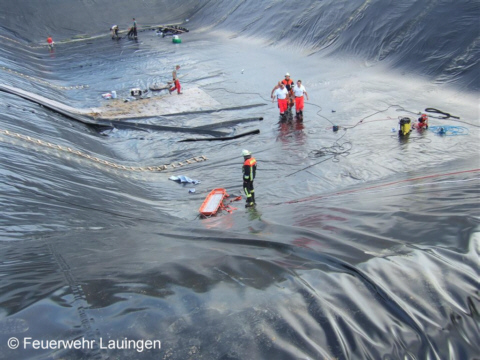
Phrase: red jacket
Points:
(249, 169)
(288, 83)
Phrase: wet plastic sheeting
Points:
(361, 246)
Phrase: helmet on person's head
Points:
(246, 153)
(287, 74)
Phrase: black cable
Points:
(309, 166)
(318, 112)
(335, 150)
(399, 108)
(445, 114)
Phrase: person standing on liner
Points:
(133, 30)
(289, 86)
(282, 97)
(249, 170)
(176, 82)
(299, 91)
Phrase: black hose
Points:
(445, 114)
(228, 123)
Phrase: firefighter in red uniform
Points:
(249, 170)
(289, 86)
(287, 82)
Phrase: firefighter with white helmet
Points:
(249, 169)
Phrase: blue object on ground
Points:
(449, 130)
(184, 179)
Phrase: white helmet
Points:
(246, 153)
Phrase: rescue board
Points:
(212, 202)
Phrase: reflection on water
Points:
(291, 130)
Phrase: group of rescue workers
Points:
(289, 94)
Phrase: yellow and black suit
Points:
(249, 170)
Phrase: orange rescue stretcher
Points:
(214, 201)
